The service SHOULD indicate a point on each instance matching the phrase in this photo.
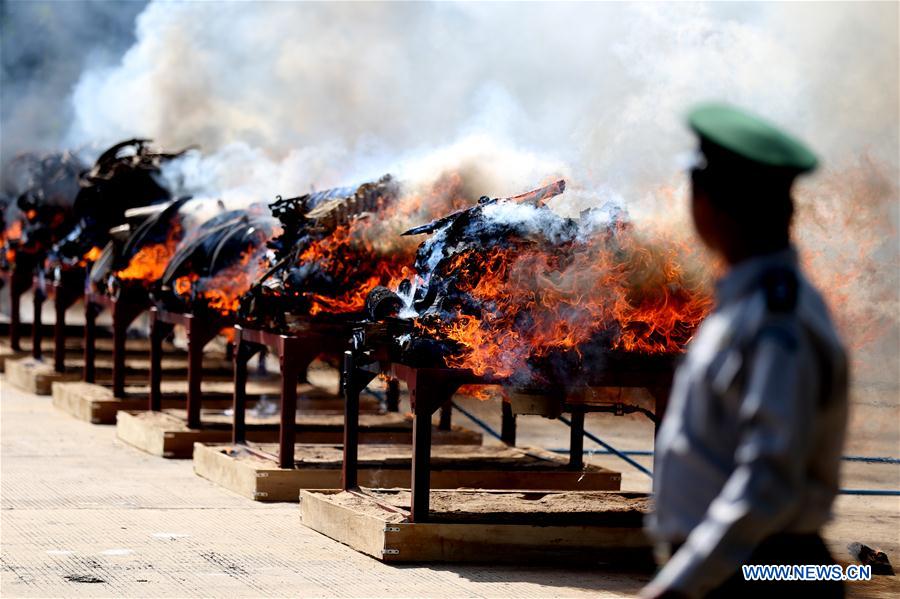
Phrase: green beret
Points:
(750, 137)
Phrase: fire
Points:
(93, 254)
(223, 291)
(527, 302)
(184, 284)
(149, 263)
(13, 231)
(355, 265)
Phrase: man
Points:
(747, 457)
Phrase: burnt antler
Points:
(537, 197)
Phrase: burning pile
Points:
(510, 289)
(219, 263)
(124, 177)
(39, 210)
(135, 261)
(327, 257)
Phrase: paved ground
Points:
(84, 516)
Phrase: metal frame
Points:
(125, 309)
(431, 389)
(64, 294)
(19, 281)
(200, 331)
(295, 353)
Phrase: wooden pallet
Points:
(166, 433)
(487, 526)
(96, 403)
(247, 472)
(8, 353)
(35, 376)
(137, 368)
(135, 348)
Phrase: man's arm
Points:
(777, 414)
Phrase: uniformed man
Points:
(747, 457)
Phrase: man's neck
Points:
(743, 252)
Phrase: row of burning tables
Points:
(430, 390)
(382, 500)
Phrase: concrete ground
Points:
(85, 516)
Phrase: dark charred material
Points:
(382, 303)
(45, 187)
(219, 246)
(117, 254)
(867, 556)
(126, 176)
(537, 198)
(436, 260)
(282, 292)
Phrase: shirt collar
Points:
(744, 276)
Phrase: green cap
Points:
(750, 137)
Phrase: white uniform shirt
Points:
(750, 445)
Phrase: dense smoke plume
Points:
(288, 97)
(45, 47)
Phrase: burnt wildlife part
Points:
(127, 175)
(210, 272)
(39, 192)
(412, 332)
(319, 266)
(45, 187)
(510, 288)
(132, 260)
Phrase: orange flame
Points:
(149, 263)
(634, 295)
(13, 231)
(183, 284)
(355, 264)
(223, 291)
(93, 254)
(90, 256)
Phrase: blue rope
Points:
(624, 455)
(478, 421)
(870, 459)
(642, 452)
(877, 492)
(608, 447)
(645, 452)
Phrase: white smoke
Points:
(340, 91)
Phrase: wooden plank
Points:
(367, 526)
(164, 435)
(231, 467)
(96, 403)
(90, 402)
(7, 353)
(363, 532)
(35, 376)
(253, 477)
(440, 542)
